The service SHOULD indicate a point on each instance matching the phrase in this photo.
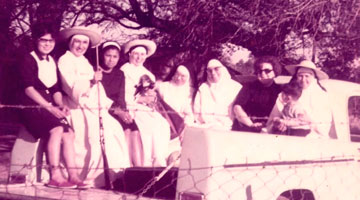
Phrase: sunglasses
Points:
(267, 71)
(43, 40)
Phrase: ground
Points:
(7, 138)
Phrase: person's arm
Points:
(197, 108)
(242, 117)
(32, 93)
(58, 99)
(275, 115)
(121, 98)
(57, 96)
(188, 113)
(28, 71)
(240, 114)
(119, 106)
(129, 91)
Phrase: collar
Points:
(40, 57)
(108, 71)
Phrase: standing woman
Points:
(83, 93)
(38, 75)
(154, 129)
(214, 99)
(113, 80)
(314, 99)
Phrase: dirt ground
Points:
(7, 138)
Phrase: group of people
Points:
(136, 116)
(298, 108)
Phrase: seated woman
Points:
(255, 101)
(214, 99)
(38, 76)
(89, 115)
(293, 114)
(314, 99)
(154, 128)
(177, 93)
(113, 80)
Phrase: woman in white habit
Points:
(84, 94)
(178, 93)
(154, 137)
(215, 97)
(314, 99)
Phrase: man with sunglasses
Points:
(255, 100)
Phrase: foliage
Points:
(199, 28)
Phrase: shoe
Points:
(65, 185)
(17, 179)
(81, 185)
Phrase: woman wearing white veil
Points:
(82, 95)
(154, 137)
(214, 99)
(178, 93)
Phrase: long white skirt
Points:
(155, 135)
(88, 156)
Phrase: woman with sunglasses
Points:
(256, 99)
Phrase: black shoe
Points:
(16, 179)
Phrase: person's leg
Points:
(135, 147)
(69, 156)
(53, 148)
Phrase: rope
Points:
(139, 110)
(158, 177)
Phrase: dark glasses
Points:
(264, 70)
(43, 40)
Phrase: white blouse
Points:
(132, 77)
(46, 70)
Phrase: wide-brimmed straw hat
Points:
(94, 37)
(309, 65)
(148, 44)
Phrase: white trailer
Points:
(241, 165)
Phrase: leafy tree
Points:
(195, 30)
(329, 27)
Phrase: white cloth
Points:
(179, 98)
(47, 70)
(132, 76)
(153, 127)
(315, 102)
(295, 116)
(214, 101)
(76, 73)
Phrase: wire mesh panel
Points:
(253, 166)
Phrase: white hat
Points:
(111, 43)
(307, 64)
(148, 44)
(94, 37)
